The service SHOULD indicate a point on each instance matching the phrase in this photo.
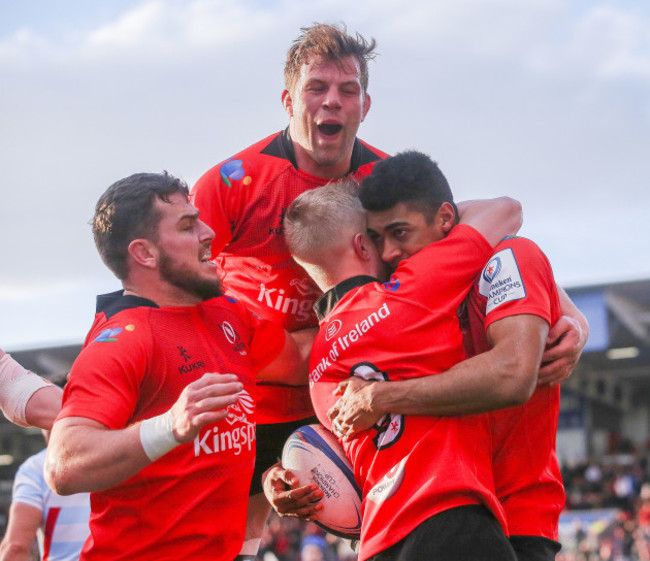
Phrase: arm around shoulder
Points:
(495, 219)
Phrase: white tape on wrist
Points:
(17, 386)
(157, 435)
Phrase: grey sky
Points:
(546, 100)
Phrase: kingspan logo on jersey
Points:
(277, 299)
(501, 280)
(239, 433)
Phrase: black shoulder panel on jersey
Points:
(361, 155)
(281, 147)
(114, 302)
(326, 303)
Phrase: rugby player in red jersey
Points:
(510, 309)
(244, 199)
(158, 418)
(426, 481)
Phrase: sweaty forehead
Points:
(346, 68)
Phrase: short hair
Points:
(315, 218)
(409, 177)
(126, 211)
(328, 42)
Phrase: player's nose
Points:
(390, 253)
(206, 234)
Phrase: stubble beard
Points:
(190, 283)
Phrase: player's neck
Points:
(162, 294)
(307, 164)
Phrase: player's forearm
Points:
(504, 376)
(495, 219)
(43, 407)
(86, 459)
(475, 386)
(291, 367)
(19, 387)
(11, 551)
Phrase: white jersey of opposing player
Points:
(64, 526)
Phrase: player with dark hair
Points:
(426, 481)
(511, 307)
(245, 197)
(409, 178)
(158, 419)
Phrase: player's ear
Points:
(361, 246)
(287, 102)
(366, 106)
(446, 216)
(144, 253)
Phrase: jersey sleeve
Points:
(28, 483)
(104, 382)
(442, 272)
(517, 279)
(208, 195)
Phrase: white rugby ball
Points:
(314, 455)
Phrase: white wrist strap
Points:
(157, 435)
(17, 385)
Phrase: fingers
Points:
(340, 389)
(204, 401)
(300, 502)
(333, 411)
(555, 372)
(214, 391)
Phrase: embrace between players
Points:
(158, 418)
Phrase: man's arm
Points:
(84, 455)
(25, 398)
(566, 339)
(24, 521)
(504, 376)
(495, 219)
(291, 366)
(43, 407)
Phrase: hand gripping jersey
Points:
(409, 468)
(64, 527)
(518, 279)
(137, 358)
(244, 200)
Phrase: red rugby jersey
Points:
(518, 279)
(409, 468)
(191, 502)
(243, 199)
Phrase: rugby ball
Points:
(314, 455)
